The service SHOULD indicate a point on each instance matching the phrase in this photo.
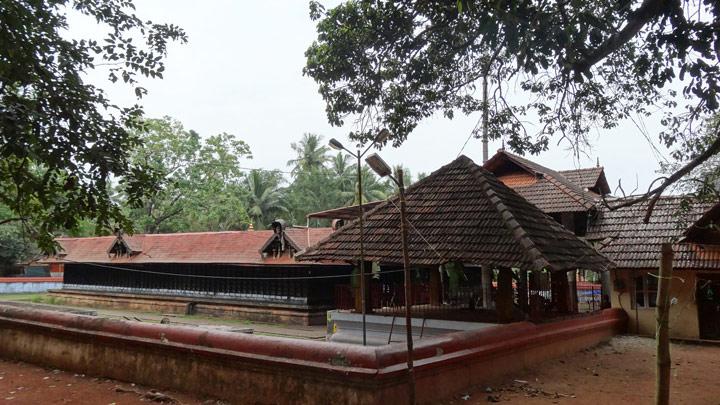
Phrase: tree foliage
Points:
(62, 139)
(574, 66)
(200, 181)
(15, 245)
(265, 199)
(311, 153)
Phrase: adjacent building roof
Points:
(462, 213)
(236, 247)
(590, 178)
(623, 236)
(351, 212)
(706, 230)
(549, 190)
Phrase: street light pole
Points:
(363, 292)
(383, 170)
(408, 288)
(335, 144)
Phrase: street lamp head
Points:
(382, 136)
(335, 144)
(378, 165)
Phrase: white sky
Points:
(241, 73)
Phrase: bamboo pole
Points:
(662, 388)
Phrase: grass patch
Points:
(23, 297)
(36, 298)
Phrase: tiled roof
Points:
(236, 247)
(462, 213)
(706, 229)
(552, 192)
(623, 237)
(350, 212)
(587, 178)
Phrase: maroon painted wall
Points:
(247, 368)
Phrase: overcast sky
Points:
(241, 73)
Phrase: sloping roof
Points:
(234, 247)
(706, 229)
(591, 178)
(552, 192)
(302, 238)
(462, 213)
(350, 212)
(623, 237)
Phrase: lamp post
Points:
(335, 144)
(383, 170)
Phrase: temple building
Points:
(249, 274)
(463, 220)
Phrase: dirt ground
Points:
(22, 383)
(621, 372)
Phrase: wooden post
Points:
(435, 287)
(486, 280)
(523, 291)
(560, 291)
(504, 298)
(662, 393)
(573, 295)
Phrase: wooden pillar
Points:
(662, 377)
(368, 288)
(573, 295)
(560, 291)
(486, 279)
(435, 287)
(504, 297)
(523, 291)
(356, 290)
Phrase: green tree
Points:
(703, 182)
(311, 153)
(578, 64)
(265, 199)
(62, 139)
(201, 184)
(15, 245)
(372, 188)
(344, 172)
(312, 191)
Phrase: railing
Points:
(296, 285)
(461, 298)
(589, 292)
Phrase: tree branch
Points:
(655, 193)
(647, 11)
(5, 221)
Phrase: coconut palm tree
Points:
(343, 170)
(265, 199)
(372, 188)
(311, 154)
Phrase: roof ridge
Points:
(512, 224)
(566, 186)
(582, 169)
